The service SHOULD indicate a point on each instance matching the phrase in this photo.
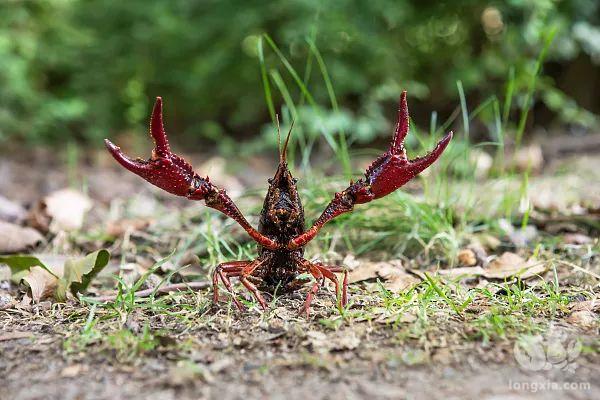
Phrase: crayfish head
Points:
(282, 209)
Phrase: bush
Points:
(85, 69)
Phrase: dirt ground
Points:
(183, 347)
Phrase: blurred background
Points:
(77, 71)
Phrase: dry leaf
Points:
(505, 266)
(41, 282)
(511, 264)
(395, 277)
(364, 271)
(62, 210)
(67, 208)
(588, 305)
(15, 238)
(583, 318)
(50, 275)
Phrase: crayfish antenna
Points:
(283, 152)
(278, 135)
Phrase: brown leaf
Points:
(505, 266)
(41, 282)
(62, 210)
(583, 318)
(588, 305)
(395, 277)
(511, 264)
(15, 238)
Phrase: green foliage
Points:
(86, 69)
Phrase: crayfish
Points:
(281, 234)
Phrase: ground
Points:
(437, 309)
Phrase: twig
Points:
(580, 269)
(176, 287)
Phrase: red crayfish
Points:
(281, 234)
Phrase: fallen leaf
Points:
(510, 264)
(41, 282)
(583, 318)
(49, 275)
(14, 238)
(63, 210)
(506, 266)
(395, 277)
(365, 271)
(587, 305)
(80, 272)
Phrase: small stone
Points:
(467, 258)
